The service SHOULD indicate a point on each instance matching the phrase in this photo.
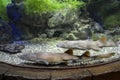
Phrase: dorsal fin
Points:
(103, 39)
(69, 51)
(86, 54)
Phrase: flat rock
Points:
(11, 48)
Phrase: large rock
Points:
(65, 16)
(5, 32)
(11, 48)
(96, 27)
(67, 23)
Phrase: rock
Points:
(5, 32)
(56, 20)
(42, 36)
(77, 25)
(71, 36)
(76, 34)
(85, 21)
(50, 32)
(96, 27)
(115, 31)
(11, 48)
(83, 31)
(66, 23)
(65, 16)
(26, 34)
(58, 33)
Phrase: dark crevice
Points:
(3, 75)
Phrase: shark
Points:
(99, 56)
(49, 58)
(86, 44)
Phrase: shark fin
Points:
(103, 39)
(86, 54)
(69, 51)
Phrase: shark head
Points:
(104, 42)
(107, 44)
(62, 44)
(27, 57)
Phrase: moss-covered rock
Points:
(44, 6)
(55, 23)
(3, 4)
(64, 16)
(112, 21)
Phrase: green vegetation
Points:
(108, 9)
(96, 36)
(43, 6)
(3, 4)
(112, 20)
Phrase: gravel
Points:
(50, 46)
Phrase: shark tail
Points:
(105, 55)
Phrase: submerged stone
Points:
(11, 48)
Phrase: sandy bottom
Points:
(50, 46)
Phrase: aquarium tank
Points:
(59, 33)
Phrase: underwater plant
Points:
(3, 4)
(44, 6)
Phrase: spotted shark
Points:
(86, 44)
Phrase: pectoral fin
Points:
(69, 51)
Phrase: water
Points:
(63, 20)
